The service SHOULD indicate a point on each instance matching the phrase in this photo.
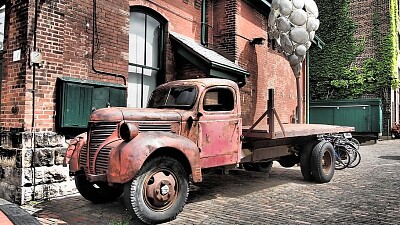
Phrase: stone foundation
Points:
(30, 172)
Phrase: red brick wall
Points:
(268, 69)
(15, 73)
(65, 37)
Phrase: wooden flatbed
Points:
(293, 130)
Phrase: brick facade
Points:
(64, 36)
(363, 12)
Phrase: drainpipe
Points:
(33, 102)
(299, 105)
(204, 22)
(94, 30)
(308, 88)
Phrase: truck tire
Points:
(264, 167)
(323, 162)
(96, 192)
(158, 192)
(305, 160)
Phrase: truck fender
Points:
(74, 148)
(127, 158)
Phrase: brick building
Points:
(363, 13)
(97, 54)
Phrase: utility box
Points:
(365, 115)
(76, 99)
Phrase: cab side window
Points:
(219, 99)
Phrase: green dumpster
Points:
(365, 115)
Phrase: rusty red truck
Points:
(151, 154)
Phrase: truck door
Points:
(219, 127)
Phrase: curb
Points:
(17, 215)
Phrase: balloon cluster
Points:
(292, 23)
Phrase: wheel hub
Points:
(160, 191)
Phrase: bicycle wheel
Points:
(356, 142)
(355, 161)
(342, 158)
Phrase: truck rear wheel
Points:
(96, 192)
(158, 192)
(323, 162)
(305, 161)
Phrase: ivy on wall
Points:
(332, 74)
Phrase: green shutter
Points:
(76, 107)
(101, 96)
(118, 97)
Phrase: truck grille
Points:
(154, 127)
(98, 133)
(83, 157)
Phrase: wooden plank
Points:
(296, 130)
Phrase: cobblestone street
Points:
(367, 194)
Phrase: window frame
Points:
(231, 90)
(162, 41)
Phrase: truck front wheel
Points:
(323, 162)
(97, 192)
(158, 192)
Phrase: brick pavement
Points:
(367, 194)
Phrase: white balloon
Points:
(308, 44)
(285, 7)
(311, 23)
(301, 50)
(299, 4)
(271, 19)
(275, 4)
(287, 45)
(298, 17)
(311, 7)
(312, 35)
(283, 24)
(299, 35)
(293, 59)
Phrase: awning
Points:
(207, 60)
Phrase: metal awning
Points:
(207, 60)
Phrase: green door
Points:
(356, 116)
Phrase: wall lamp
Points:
(257, 41)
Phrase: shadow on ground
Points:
(76, 210)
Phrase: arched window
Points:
(146, 44)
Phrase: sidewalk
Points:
(12, 214)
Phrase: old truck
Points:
(151, 154)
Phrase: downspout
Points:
(308, 88)
(204, 22)
(33, 102)
(94, 30)
(299, 105)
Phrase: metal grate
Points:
(102, 160)
(83, 157)
(98, 133)
(154, 127)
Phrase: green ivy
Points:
(333, 74)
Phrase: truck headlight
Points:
(127, 131)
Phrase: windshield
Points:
(182, 97)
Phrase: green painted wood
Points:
(76, 109)
(363, 114)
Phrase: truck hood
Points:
(135, 114)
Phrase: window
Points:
(218, 99)
(173, 97)
(146, 41)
